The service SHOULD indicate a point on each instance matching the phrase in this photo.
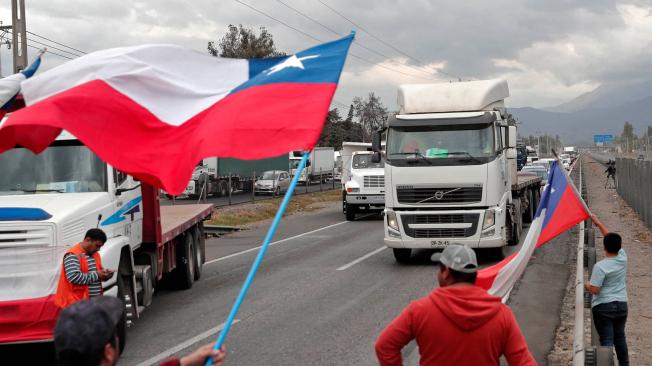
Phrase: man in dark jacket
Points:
(458, 323)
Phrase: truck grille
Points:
(26, 236)
(471, 218)
(439, 195)
(374, 181)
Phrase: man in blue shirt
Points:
(609, 304)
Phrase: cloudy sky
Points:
(549, 51)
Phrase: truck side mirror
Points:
(375, 158)
(375, 142)
(511, 137)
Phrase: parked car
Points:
(272, 182)
(540, 171)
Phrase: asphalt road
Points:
(319, 298)
(243, 197)
(323, 294)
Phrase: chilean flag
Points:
(560, 209)
(154, 111)
(10, 86)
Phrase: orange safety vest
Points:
(68, 293)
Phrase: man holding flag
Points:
(466, 312)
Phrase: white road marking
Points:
(183, 345)
(274, 243)
(351, 264)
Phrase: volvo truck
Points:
(47, 203)
(363, 181)
(450, 170)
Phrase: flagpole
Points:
(259, 258)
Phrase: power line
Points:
(50, 46)
(55, 42)
(381, 40)
(321, 41)
(54, 53)
(356, 42)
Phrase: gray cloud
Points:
(550, 51)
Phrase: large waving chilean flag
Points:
(154, 111)
(560, 209)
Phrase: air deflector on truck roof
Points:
(483, 119)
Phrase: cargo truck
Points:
(450, 170)
(320, 166)
(212, 175)
(363, 181)
(47, 203)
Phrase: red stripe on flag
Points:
(487, 276)
(257, 122)
(568, 213)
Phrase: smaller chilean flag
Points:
(154, 111)
(10, 86)
(560, 209)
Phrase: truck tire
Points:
(528, 214)
(185, 271)
(204, 186)
(199, 251)
(402, 255)
(223, 189)
(510, 231)
(351, 210)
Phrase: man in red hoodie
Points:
(457, 323)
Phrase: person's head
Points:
(457, 264)
(612, 243)
(93, 240)
(90, 332)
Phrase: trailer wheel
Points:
(199, 252)
(402, 255)
(224, 189)
(351, 210)
(185, 271)
(509, 232)
(528, 215)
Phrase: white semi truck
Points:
(47, 203)
(363, 181)
(320, 166)
(450, 169)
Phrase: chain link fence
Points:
(634, 185)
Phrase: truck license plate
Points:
(439, 243)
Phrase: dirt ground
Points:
(637, 242)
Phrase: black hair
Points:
(612, 243)
(461, 276)
(96, 234)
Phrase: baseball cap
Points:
(87, 326)
(459, 258)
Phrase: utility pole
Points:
(19, 34)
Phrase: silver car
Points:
(272, 182)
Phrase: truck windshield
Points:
(441, 145)
(58, 169)
(363, 161)
(294, 163)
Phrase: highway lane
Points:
(244, 197)
(301, 309)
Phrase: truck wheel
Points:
(402, 255)
(185, 271)
(203, 186)
(222, 189)
(199, 252)
(509, 232)
(351, 210)
(528, 215)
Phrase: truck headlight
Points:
(352, 190)
(392, 223)
(489, 218)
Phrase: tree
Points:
(241, 42)
(370, 113)
(628, 137)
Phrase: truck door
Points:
(129, 215)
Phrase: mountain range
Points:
(601, 111)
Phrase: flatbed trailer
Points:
(526, 193)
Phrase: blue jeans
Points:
(609, 320)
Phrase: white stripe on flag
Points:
(172, 82)
(9, 87)
(512, 271)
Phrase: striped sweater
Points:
(76, 276)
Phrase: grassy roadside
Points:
(245, 214)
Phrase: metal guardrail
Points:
(578, 330)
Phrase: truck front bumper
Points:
(438, 229)
(365, 199)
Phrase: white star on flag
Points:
(292, 61)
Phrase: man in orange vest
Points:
(82, 272)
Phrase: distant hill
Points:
(602, 111)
